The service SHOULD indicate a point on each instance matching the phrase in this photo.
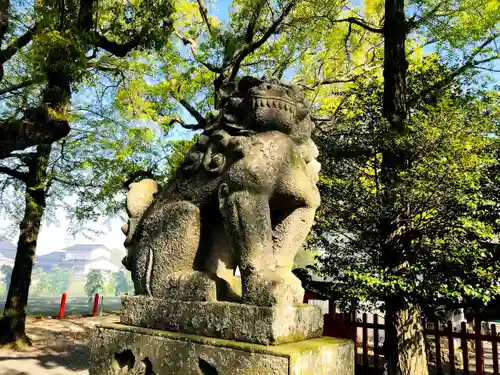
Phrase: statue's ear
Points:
(247, 82)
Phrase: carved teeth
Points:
(280, 105)
(287, 107)
(268, 102)
(274, 104)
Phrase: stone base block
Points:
(117, 349)
(231, 321)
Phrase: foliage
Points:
(94, 283)
(305, 258)
(443, 245)
(51, 283)
(60, 279)
(121, 283)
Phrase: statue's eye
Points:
(288, 92)
(269, 87)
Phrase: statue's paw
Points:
(185, 286)
(272, 289)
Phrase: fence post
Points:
(365, 340)
(375, 342)
(331, 307)
(96, 304)
(465, 348)
(354, 328)
(438, 348)
(451, 348)
(494, 348)
(62, 306)
(479, 347)
(305, 300)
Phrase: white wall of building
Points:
(100, 264)
(100, 252)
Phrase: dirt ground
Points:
(60, 347)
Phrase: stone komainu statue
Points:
(245, 196)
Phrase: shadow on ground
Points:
(60, 347)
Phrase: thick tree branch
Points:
(192, 43)
(36, 127)
(4, 17)
(17, 86)
(273, 28)
(204, 15)
(193, 112)
(85, 15)
(117, 49)
(16, 45)
(179, 121)
(360, 22)
(13, 173)
(250, 33)
(252, 47)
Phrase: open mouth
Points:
(273, 102)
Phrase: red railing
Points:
(345, 325)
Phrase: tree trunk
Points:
(395, 65)
(404, 341)
(404, 345)
(12, 325)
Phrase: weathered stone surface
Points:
(246, 195)
(116, 349)
(140, 196)
(232, 321)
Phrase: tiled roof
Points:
(55, 256)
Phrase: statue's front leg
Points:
(248, 221)
(289, 235)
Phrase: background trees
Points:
(94, 283)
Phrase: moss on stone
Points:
(282, 350)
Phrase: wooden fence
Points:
(440, 341)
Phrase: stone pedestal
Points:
(118, 349)
(231, 321)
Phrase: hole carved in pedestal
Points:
(206, 368)
(124, 359)
(149, 366)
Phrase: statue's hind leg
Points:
(171, 236)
